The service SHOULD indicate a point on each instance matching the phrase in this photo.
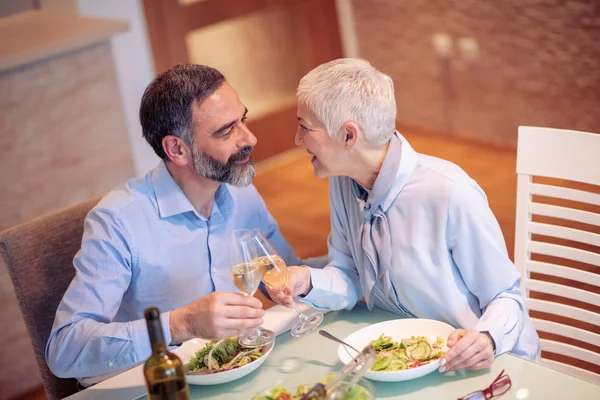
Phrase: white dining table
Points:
(308, 359)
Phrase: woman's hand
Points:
(298, 283)
(469, 349)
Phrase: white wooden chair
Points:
(574, 156)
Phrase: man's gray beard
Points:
(231, 173)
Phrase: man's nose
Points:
(249, 139)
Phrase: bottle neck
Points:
(157, 338)
(159, 349)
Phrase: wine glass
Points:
(274, 275)
(247, 275)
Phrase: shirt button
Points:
(110, 364)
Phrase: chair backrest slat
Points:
(563, 310)
(563, 291)
(569, 253)
(570, 351)
(564, 193)
(565, 272)
(568, 331)
(562, 232)
(574, 371)
(569, 214)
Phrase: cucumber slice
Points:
(421, 351)
(408, 342)
(409, 350)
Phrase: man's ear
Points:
(176, 149)
(350, 134)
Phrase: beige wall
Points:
(8, 7)
(538, 63)
(63, 136)
(58, 5)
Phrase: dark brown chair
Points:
(39, 257)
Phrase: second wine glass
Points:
(247, 274)
(275, 276)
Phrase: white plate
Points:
(221, 377)
(397, 329)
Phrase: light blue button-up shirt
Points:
(145, 245)
(448, 257)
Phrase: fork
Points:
(331, 337)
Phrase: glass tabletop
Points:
(308, 359)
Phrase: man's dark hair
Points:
(166, 107)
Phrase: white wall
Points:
(134, 68)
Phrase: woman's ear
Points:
(176, 149)
(350, 135)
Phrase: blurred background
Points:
(467, 74)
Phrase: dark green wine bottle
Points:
(163, 371)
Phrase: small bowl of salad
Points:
(363, 390)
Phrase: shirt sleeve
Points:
(85, 341)
(478, 250)
(336, 286)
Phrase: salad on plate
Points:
(224, 355)
(409, 353)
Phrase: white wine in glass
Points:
(274, 271)
(247, 277)
(247, 274)
(274, 275)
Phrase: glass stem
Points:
(257, 332)
(299, 312)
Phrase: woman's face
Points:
(328, 154)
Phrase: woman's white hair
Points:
(351, 90)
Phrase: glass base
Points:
(307, 325)
(260, 338)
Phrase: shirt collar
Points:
(398, 164)
(172, 201)
(223, 204)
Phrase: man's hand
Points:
(298, 283)
(469, 349)
(216, 316)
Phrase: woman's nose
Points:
(299, 139)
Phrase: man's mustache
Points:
(243, 153)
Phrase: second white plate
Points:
(397, 329)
